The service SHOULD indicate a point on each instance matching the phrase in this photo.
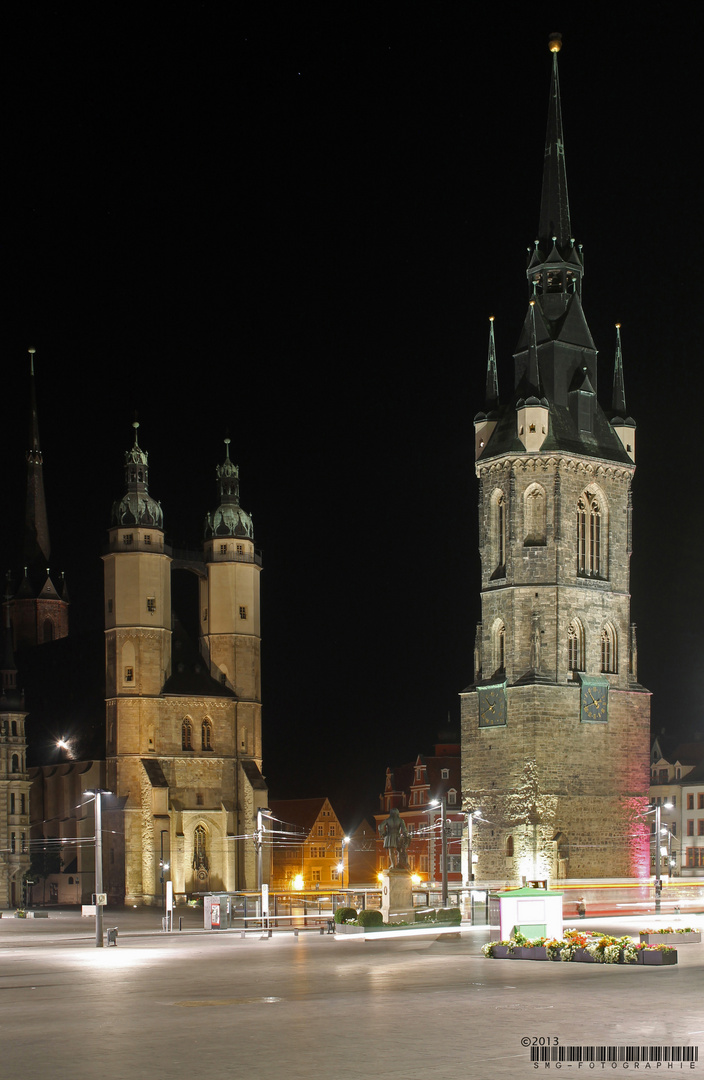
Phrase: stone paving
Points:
(215, 1005)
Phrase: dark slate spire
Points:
(618, 400)
(554, 203)
(492, 378)
(36, 546)
(533, 369)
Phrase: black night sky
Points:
(293, 229)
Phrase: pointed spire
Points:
(492, 378)
(618, 400)
(229, 519)
(137, 507)
(37, 545)
(533, 369)
(554, 203)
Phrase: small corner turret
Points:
(485, 421)
(532, 412)
(624, 426)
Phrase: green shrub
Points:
(451, 915)
(425, 915)
(372, 917)
(345, 914)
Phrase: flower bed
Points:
(585, 948)
(667, 936)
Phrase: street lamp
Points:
(341, 864)
(471, 815)
(443, 830)
(96, 793)
(658, 856)
(262, 812)
(163, 867)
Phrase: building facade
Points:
(416, 790)
(308, 846)
(555, 727)
(677, 787)
(14, 785)
(183, 722)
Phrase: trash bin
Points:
(112, 935)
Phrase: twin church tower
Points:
(555, 727)
(183, 726)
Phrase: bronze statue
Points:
(396, 839)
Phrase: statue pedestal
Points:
(396, 895)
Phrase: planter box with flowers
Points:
(581, 948)
(667, 936)
(658, 955)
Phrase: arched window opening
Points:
(609, 651)
(207, 735)
(509, 847)
(498, 533)
(186, 735)
(499, 646)
(534, 515)
(47, 631)
(591, 535)
(575, 646)
(15, 763)
(200, 850)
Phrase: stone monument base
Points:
(396, 895)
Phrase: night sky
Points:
(292, 230)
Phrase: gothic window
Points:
(609, 649)
(498, 533)
(207, 735)
(200, 849)
(591, 535)
(575, 646)
(15, 763)
(534, 515)
(498, 642)
(509, 847)
(187, 735)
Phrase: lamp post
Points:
(341, 864)
(262, 812)
(658, 857)
(98, 865)
(443, 830)
(163, 867)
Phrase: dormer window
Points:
(444, 774)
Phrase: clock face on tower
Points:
(492, 705)
(595, 700)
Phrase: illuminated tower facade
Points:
(183, 742)
(555, 727)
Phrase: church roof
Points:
(190, 676)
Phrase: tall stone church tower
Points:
(36, 602)
(183, 721)
(555, 728)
